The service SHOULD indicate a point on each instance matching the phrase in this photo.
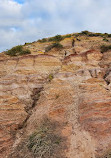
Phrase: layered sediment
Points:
(72, 90)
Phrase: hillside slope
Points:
(57, 103)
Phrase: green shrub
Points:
(56, 38)
(58, 45)
(109, 35)
(27, 43)
(106, 40)
(42, 40)
(91, 34)
(67, 36)
(17, 50)
(94, 35)
(44, 142)
(26, 51)
(54, 45)
(85, 32)
(105, 48)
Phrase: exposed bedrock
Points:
(56, 106)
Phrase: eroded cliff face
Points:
(61, 102)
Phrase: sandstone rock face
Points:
(72, 92)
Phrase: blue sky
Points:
(20, 1)
(29, 20)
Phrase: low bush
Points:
(56, 38)
(101, 34)
(67, 36)
(27, 43)
(44, 143)
(94, 35)
(109, 35)
(54, 45)
(42, 40)
(105, 48)
(85, 32)
(91, 34)
(105, 39)
(17, 50)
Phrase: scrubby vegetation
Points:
(59, 38)
(109, 35)
(105, 39)
(91, 34)
(42, 40)
(56, 38)
(54, 45)
(107, 155)
(17, 50)
(44, 142)
(27, 43)
(85, 33)
(67, 36)
(105, 48)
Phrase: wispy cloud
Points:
(28, 20)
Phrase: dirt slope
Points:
(56, 104)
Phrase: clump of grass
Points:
(54, 45)
(44, 143)
(50, 77)
(105, 48)
(17, 50)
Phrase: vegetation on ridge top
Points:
(58, 38)
(17, 50)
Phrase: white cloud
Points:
(20, 23)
